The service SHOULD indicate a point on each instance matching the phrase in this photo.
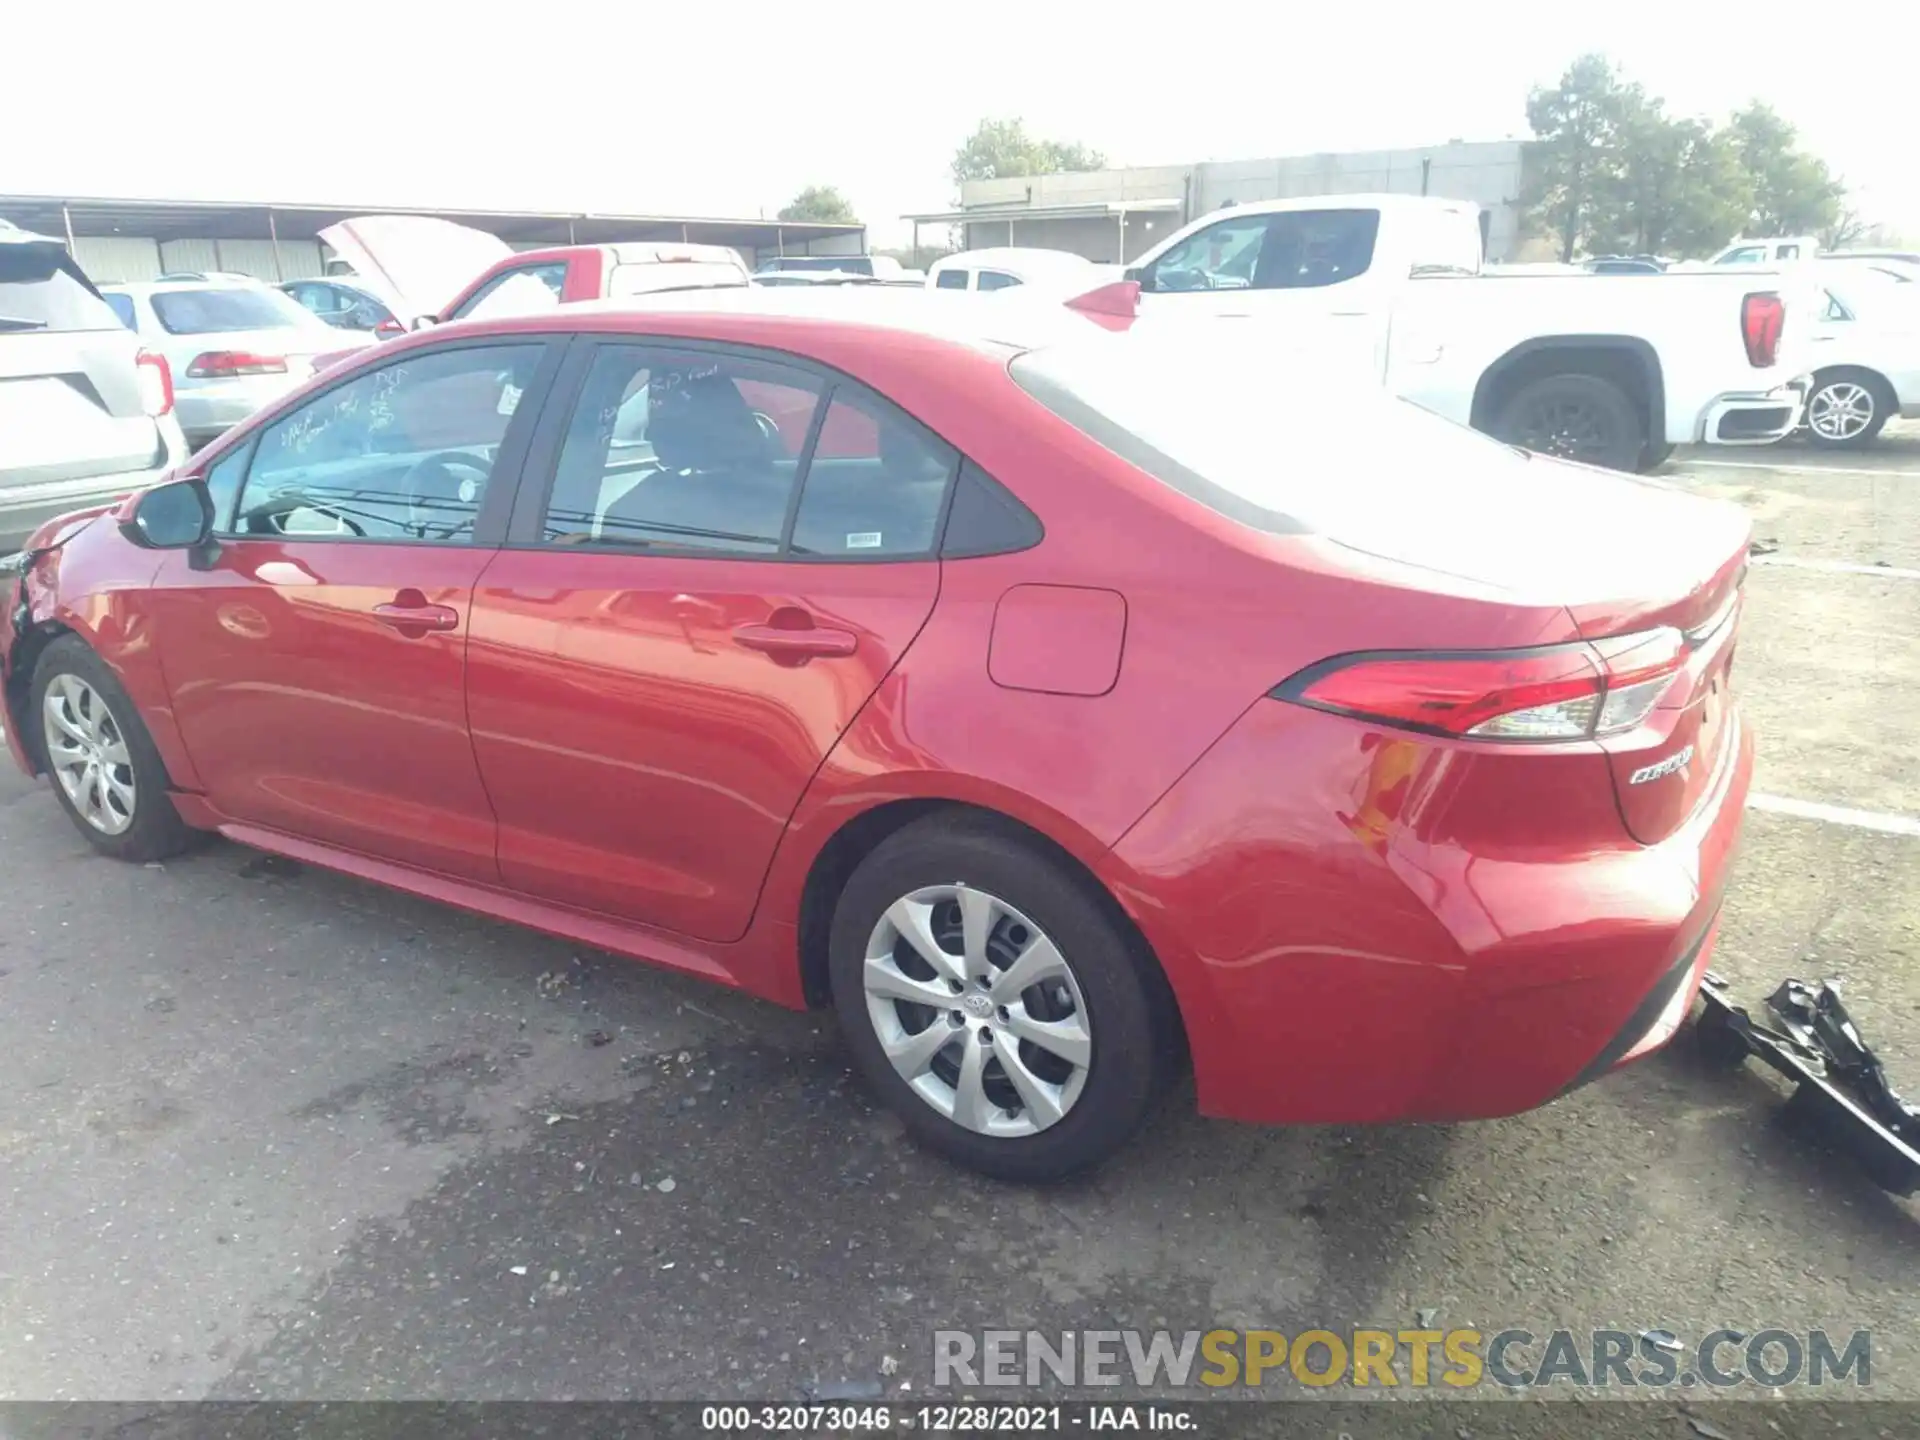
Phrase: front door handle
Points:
(796, 645)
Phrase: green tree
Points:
(1572, 170)
(821, 203)
(999, 148)
(1673, 187)
(1793, 192)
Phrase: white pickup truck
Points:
(1614, 370)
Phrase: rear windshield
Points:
(40, 290)
(1246, 432)
(217, 311)
(854, 264)
(672, 275)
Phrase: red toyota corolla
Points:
(1061, 702)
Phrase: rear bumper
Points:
(25, 509)
(210, 408)
(1753, 418)
(1398, 944)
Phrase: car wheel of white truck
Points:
(1847, 409)
(1574, 417)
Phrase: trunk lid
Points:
(1622, 554)
(70, 402)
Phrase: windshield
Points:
(222, 310)
(41, 290)
(1209, 417)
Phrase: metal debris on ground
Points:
(1841, 1086)
(1763, 547)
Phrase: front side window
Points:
(404, 452)
(676, 450)
(516, 292)
(1220, 257)
(950, 280)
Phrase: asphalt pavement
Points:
(269, 1132)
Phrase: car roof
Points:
(999, 321)
(1383, 201)
(165, 287)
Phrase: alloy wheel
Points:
(87, 752)
(1840, 410)
(1565, 429)
(977, 1010)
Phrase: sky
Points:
(704, 109)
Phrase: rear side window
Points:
(997, 280)
(225, 310)
(673, 275)
(950, 280)
(678, 451)
(875, 484)
(41, 289)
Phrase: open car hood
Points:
(422, 261)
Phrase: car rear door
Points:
(316, 656)
(690, 611)
(72, 408)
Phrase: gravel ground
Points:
(266, 1132)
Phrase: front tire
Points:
(1847, 409)
(106, 773)
(994, 1003)
(1575, 417)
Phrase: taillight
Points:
(155, 378)
(220, 364)
(1560, 692)
(1761, 319)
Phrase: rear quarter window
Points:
(122, 307)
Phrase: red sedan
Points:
(1100, 702)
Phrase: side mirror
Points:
(1139, 275)
(176, 516)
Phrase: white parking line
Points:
(1879, 820)
(1837, 567)
(1684, 465)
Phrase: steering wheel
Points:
(440, 502)
(769, 427)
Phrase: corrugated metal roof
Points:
(260, 220)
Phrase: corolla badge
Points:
(1672, 764)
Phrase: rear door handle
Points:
(420, 618)
(787, 644)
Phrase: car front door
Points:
(316, 653)
(1303, 272)
(693, 604)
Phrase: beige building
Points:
(1114, 215)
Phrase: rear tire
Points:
(1847, 409)
(106, 773)
(1575, 417)
(964, 1076)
